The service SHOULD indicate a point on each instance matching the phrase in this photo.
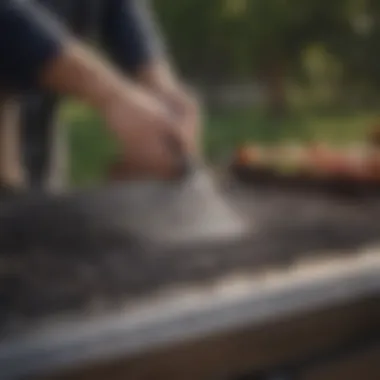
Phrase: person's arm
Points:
(37, 52)
(132, 38)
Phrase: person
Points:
(141, 99)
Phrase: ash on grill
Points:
(53, 261)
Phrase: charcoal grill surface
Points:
(45, 271)
(89, 279)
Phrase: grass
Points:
(92, 148)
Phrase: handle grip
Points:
(187, 164)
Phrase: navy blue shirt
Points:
(30, 38)
(129, 33)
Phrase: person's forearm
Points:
(157, 74)
(35, 51)
(131, 36)
(79, 72)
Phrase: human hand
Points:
(145, 126)
(187, 110)
(159, 80)
(147, 130)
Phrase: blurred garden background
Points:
(266, 71)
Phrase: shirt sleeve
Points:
(29, 39)
(129, 33)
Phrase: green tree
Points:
(234, 39)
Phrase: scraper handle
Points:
(187, 164)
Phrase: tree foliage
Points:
(234, 39)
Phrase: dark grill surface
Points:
(53, 261)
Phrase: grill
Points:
(73, 297)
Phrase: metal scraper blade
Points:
(170, 213)
(196, 212)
